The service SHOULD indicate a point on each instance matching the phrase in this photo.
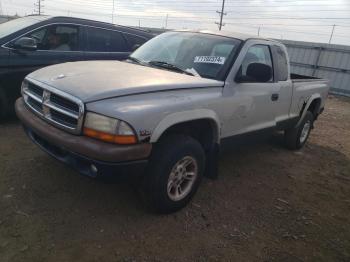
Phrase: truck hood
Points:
(96, 80)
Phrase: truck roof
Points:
(235, 35)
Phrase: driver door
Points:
(64, 48)
(252, 100)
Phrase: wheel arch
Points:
(189, 119)
(313, 104)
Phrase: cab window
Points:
(134, 40)
(57, 37)
(101, 40)
(257, 54)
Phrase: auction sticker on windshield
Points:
(210, 59)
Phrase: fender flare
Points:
(185, 116)
(307, 105)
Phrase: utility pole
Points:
(113, 12)
(222, 13)
(259, 30)
(330, 39)
(39, 7)
(166, 20)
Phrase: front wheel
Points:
(296, 137)
(174, 174)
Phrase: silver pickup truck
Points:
(164, 113)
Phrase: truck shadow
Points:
(262, 157)
(269, 154)
(9, 120)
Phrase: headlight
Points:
(24, 86)
(108, 129)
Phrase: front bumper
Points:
(88, 156)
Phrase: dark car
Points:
(33, 42)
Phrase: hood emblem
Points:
(60, 76)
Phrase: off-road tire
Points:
(165, 155)
(293, 136)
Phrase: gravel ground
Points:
(269, 204)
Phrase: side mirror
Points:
(256, 72)
(26, 43)
(136, 46)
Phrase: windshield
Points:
(204, 54)
(15, 25)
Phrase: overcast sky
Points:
(305, 20)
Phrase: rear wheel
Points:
(296, 137)
(175, 171)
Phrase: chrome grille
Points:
(55, 106)
(35, 104)
(35, 89)
(68, 105)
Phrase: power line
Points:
(180, 8)
(159, 18)
(235, 3)
(209, 2)
(229, 19)
(156, 10)
(201, 10)
(198, 4)
(265, 16)
(273, 17)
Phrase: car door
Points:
(4, 62)
(4, 86)
(251, 101)
(105, 44)
(56, 43)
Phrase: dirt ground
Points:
(269, 204)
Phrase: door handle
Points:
(274, 97)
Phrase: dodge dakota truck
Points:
(163, 114)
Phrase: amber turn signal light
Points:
(117, 139)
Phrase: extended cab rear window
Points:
(282, 64)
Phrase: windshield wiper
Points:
(133, 59)
(169, 66)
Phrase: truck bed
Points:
(304, 78)
(306, 86)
